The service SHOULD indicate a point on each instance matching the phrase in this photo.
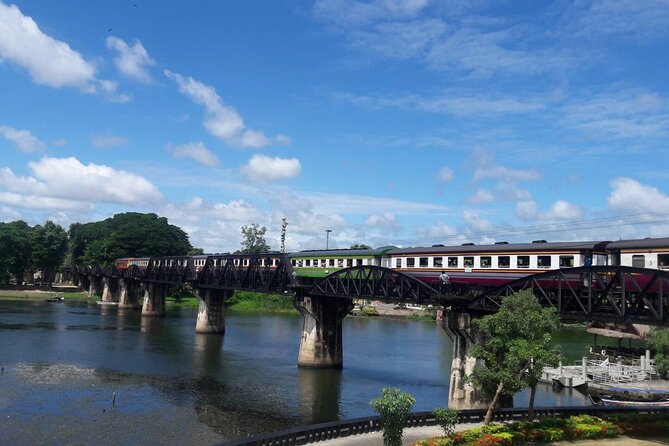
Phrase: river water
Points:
(63, 363)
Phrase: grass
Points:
(43, 294)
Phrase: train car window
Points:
(639, 261)
(293, 262)
(423, 262)
(300, 263)
(349, 263)
(438, 262)
(307, 262)
(504, 262)
(236, 262)
(331, 262)
(663, 261)
(486, 261)
(323, 263)
(246, 262)
(544, 261)
(340, 263)
(398, 262)
(452, 262)
(566, 261)
(523, 261)
(469, 262)
(411, 262)
(358, 262)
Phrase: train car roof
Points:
(541, 246)
(342, 252)
(643, 243)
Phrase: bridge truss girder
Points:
(603, 293)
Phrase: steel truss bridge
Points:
(596, 293)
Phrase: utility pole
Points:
(284, 223)
(327, 238)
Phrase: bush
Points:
(447, 419)
(370, 311)
(393, 406)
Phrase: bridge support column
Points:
(211, 314)
(127, 293)
(321, 340)
(108, 289)
(94, 286)
(462, 394)
(154, 300)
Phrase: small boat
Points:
(55, 299)
(611, 402)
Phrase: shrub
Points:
(501, 439)
(393, 406)
(447, 419)
(370, 311)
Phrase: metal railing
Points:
(345, 428)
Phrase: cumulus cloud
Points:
(48, 61)
(560, 210)
(133, 61)
(23, 140)
(474, 222)
(264, 169)
(106, 141)
(221, 120)
(481, 196)
(385, 221)
(197, 151)
(487, 167)
(351, 12)
(69, 179)
(630, 196)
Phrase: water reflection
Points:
(207, 353)
(320, 394)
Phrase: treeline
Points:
(49, 246)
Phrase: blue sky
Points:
(409, 122)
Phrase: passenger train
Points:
(467, 264)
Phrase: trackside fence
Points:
(345, 428)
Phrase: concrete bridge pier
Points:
(321, 341)
(462, 394)
(128, 290)
(154, 300)
(109, 287)
(94, 286)
(211, 314)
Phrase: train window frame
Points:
(438, 262)
(349, 263)
(663, 260)
(398, 262)
(636, 258)
(525, 261)
(293, 262)
(486, 261)
(358, 262)
(503, 261)
(452, 262)
(331, 262)
(544, 261)
(423, 262)
(566, 261)
(307, 262)
(411, 262)
(468, 261)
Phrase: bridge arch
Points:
(374, 282)
(606, 293)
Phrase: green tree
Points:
(49, 246)
(360, 246)
(253, 239)
(516, 345)
(658, 341)
(15, 250)
(393, 406)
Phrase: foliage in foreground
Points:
(658, 340)
(580, 427)
(393, 406)
(251, 301)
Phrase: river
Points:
(63, 363)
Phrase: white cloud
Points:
(527, 210)
(282, 139)
(106, 141)
(481, 196)
(474, 222)
(631, 197)
(237, 210)
(445, 174)
(351, 12)
(563, 210)
(486, 167)
(264, 169)
(560, 210)
(222, 121)
(48, 61)
(40, 202)
(133, 61)
(385, 221)
(22, 139)
(9, 214)
(60, 142)
(69, 179)
(196, 151)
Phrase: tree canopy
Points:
(517, 344)
(658, 341)
(360, 246)
(15, 249)
(253, 239)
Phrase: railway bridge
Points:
(594, 293)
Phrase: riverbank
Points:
(41, 294)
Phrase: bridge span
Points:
(594, 293)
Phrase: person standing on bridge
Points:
(445, 282)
